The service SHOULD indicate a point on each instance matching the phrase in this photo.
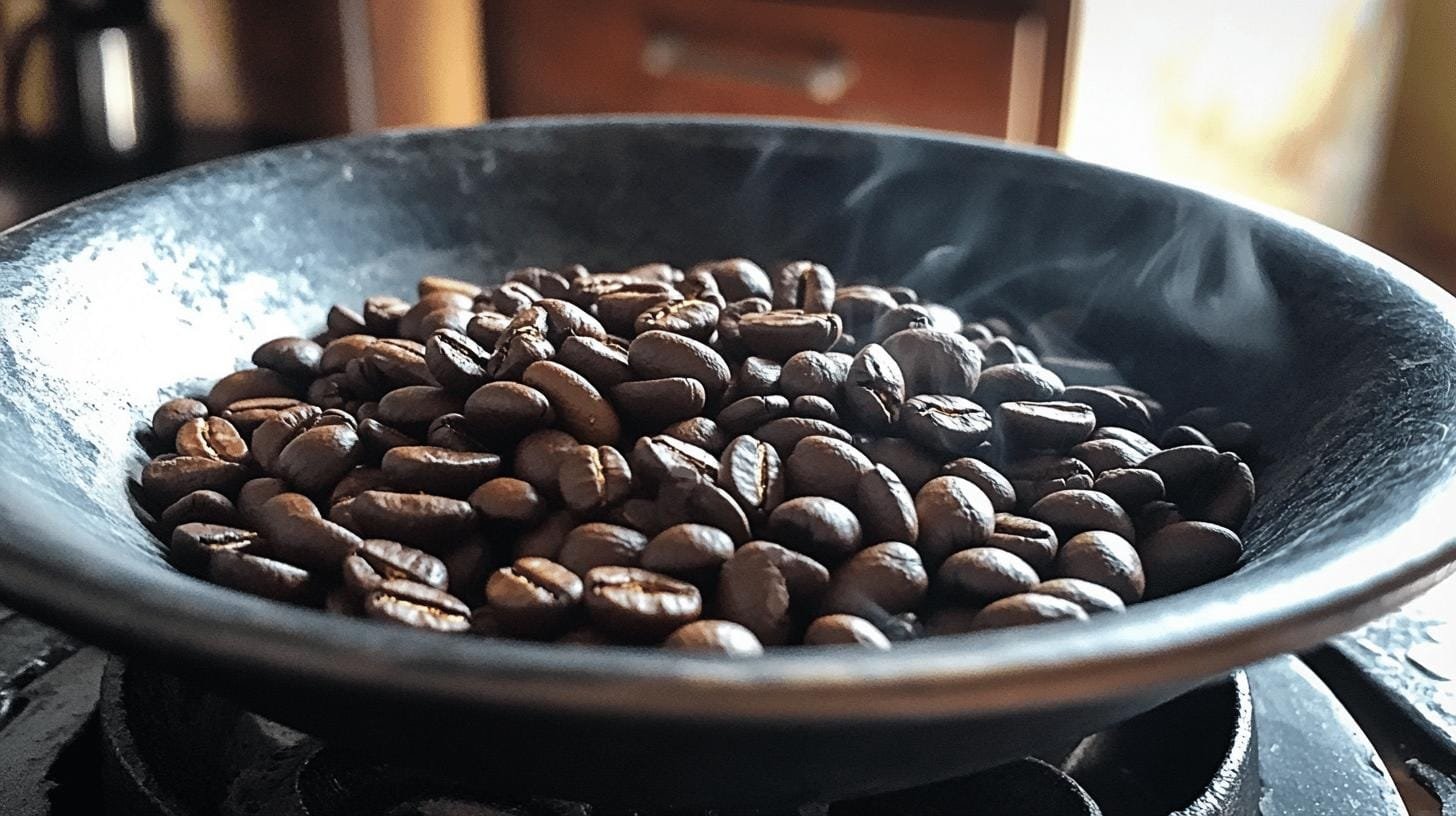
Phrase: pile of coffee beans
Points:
(718, 460)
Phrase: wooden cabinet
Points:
(992, 68)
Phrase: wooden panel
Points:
(751, 56)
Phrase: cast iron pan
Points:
(1345, 359)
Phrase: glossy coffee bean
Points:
(565, 320)
(1102, 455)
(1035, 477)
(820, 528)
(1028, 539)
(379, 439)
(698, 500)
(1183, 435)
(823, 466)
(601, 362)
(874, 388)
(987, 478)
(297, 534)
(599, 544)
(1074, 511)
(254, 493)
(315, 460)
(1017, 382)
(508, 500)
(1138, 443)
(440, 471)
(785, 433)
(545, 539)
(715, 637)
(886, 508)
(954, 515)
(902, 317)
(1224, 496)
(1105, 559)
(247, 384)
(688, 552)
(289, 356)
(580, 409)
(953, 425)
(813, 373)
(1183, 468)
(811, 407)
(390, 560)
(1044, 425)
(593, 478)
(193, 543)
(212, 438)
(700, 432)
(912, 463)
(173, 414)
(860, 306)
(763, 583)
(516, 350)
(697, 319)
(619, 310)
(164, 481)
(1091, 597)
(1112, 409)
(738, 278)
(980, 575)
(537, 458)
(549, 284)
(661, 459)
(657, 403)
(431, 523)
(804, 285)
(638, 605)
(416, 406)
(508, 410)
(751, 472)
(1132, 488)
(274, 434)
(935, 362)
(487, 328)
(877, 582)
(264, 577)
(455, 432)
(396, 362)
(1186, 554)
(199, 506)
(844, 630)
(658, 354)
(456, 362)
(533, 598)
(418, 606)
(780, 335)
(758, 376)
(748, 414)
(1027, 609)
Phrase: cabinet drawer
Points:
(859, 62)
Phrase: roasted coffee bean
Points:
(173, 414)
(206, 506)
(1235, 437)
(738, 278)
(1105, 559)
(363, 382)
(1132, 488)
(935, 362)
(619, 311)
(886, 507)
(342, 513)
(785, 433)
(544, 540)
(699, 284)
(860, 306)
(487, 328)
(164, 481)
(357, 481)
(805, 285)
(582, 411)
(660, 459)
(688, 552)
(330, 391)
(692, 318)
(549, 284)
(638, 513)
(758, 377)
(953, 425)
(638, 605)
(456, 362)
(1038, 476)
(780, 335)
(822, 466)
(417, 605)
(716, 637)
(698, 500)
(1155, 516)
(431, 523)
(395, 362)
(297, 534)
(440, 283)
(378, 560)
(510, 500)
(264, 577)
(912, 463)
(212, 438)
(879, 581)
(248, 415)
(754, 593)
(811, 407)
(507, 410)
(315, 460)
(1183, 468)
(1000, 351)
(513, 296)
(751, 472)
(382, 313)
(1091, 597)
(1102, 455)
(1134, 440)
(601, 362)
(699, 431)
(341, 320)
(1026, 609)
(874, 388)
(903, 294)
(1179, 435)
(1112, 408)
(193, 543)
(1186, 554)
(254, 493)
(981, 575)
(900, 318)
(1074, 511)
(1044, 425)
(748, 414)
(248, 384)
(656, 403)
(338, 353)
(820, 528)
(730, 339)
(594, 478)
(846, 630)
(987, 478)
(598, 544)
(455, 432)
(416, 406)
(517, 350)
(814, 373)
(1016, 382)
(658, 354)
(538, 458)
(379, 438)
(954, 515)
(1225, 496)
(290, 356)
(440, 471)
(533, 598)
(565, 319)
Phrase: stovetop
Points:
(1365, 725)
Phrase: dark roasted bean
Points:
(900, 318)
(533, 598)
(820, 528)
(248, 384)
(619, 311)
(1132, 439)
(264, 577)
(1027, 609)
(811, 407)
(750, 471)
(758, 376)
(1225, 496)
(912, 463)
(953, 425)
(166, 480)
(1105, 559)
(654, 404)
(382, 313)
(548, 283)
(582, 411)
(565, 319)
(1091, 597)
(860, 306)
(594, 478)
(357, 481)
(1155, 516)
(1183, 468)
(747, 414)
(537, 458)
(440, 471)
(935, 362)
(786, 432)
(341, 320)
(417, 605)
(601, 362)
(814, 373)
(1074, 511)
(699, 431)
(879, 581)
(886, 507)
(1235, 437)
(716, 637)
(508, 411)
(1016, 382)
(545, 539)
(206, 506)
(688, 552)
(297, 534)
(513, 296)
(1180, 435)
(1112, 408)
(822, 466)
(248, 415)
(1132, 488)
(660, 459)
(510, 500)
(455, 361)
(390, 560)
(1028, 539)
(754, 593)
(657, 354)
(1038, 476)
(173, 414)
(395, 362)
(598, 544)
(1044, 425)
(432, 523)
(847, 630)
(338, 353)
(289, 356)
(990, 480)
(981, 575)
(954, 515)
(638, 605)
(193, 543)
(1186, 554)
(440, 283)
(1101, 455)
(874, 388)
(254, 493)
(455, 432)
(379, 438)
(416, 406)
(212, 438)
(692, 318)
(517, 350)
(698, 500)
(780, 335)
(486, 328)
(315, 460)
(738, 278)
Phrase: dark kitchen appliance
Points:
(1342, 357)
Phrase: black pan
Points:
(1344, 358)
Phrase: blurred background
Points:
(1342, 110)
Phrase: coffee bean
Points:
(658, 354)
(315, 460)
(877, 582)
(1186, 554)
(811, 407)
(1235, 437)
(290, 356)
(823, 466)
(750, 471)
(951, 424)
(699, 284)
(447, 318)
(886, 507)
(416, 406)
(395, 362)
(1155, 516)
(935, 362)
(164, 481)
(1030, 540)
(247, 384)
(601, 362)
(1105, 559)
(379, 438)
(264, 577)
(1183, 468)
(248, 415)
(549, 284)
(913, 464)
(987, 478)
(785, 433)
(513, 296)
(698, 500)
(580, 408)
(193, 543)
(1102, 455)
(516, 351)
(1017, 382)
(507, 410)
(807, 286)
(173, 414)
(1038, 476)
(758, 376)
(440, 471)
(455, 432)
(418, 606)
(533, 598)
(688, 552)
(660, 459)
(487, 328)
(954, 515)
(748, 414)
(699, 431)
(538, 457)
(980, 575)
(254, 493)
(594, 478)
(1179, 435)
(509, 500)
(860, 306)
(846, 630)
(1074, 511)
(814, 373)
(715, 636)
(692, 318)
(638, 513)
(565, 320)
(1044, 425)
(382, 313)
(378, 560)
(638, 605)
(1091, 597)
(329, 391)
(1112, 408)
(545, 539)
(619, 310)
(431, 523)
(339, 352)
(1225, 496)
(205, 506)
(762, 582)
(820, 528)
(874, 388)
(1132, 488)
(598, 544)
(900, 318)
(1027, 609)
(1136, 441)
(738, 278)
(297, 534)
(455, 361)
(780, 335)
(212, 438)
(656, 403)
(439, 283)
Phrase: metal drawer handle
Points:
(824, 80)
